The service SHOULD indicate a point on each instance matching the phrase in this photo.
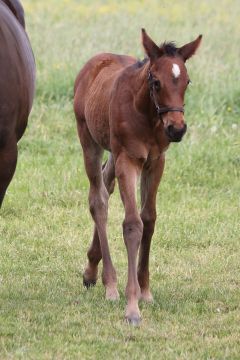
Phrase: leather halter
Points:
(161, 109)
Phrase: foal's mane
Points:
(141, 63)
(168, 48)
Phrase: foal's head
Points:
(168, 81)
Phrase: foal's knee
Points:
(133, 230)
(149, 220)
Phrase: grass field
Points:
(45, 227)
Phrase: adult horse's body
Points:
(17, 80)
(134, 110)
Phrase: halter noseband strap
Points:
(161, 109)
(165, 109)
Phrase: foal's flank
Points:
(134, 110)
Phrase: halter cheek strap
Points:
(161, 109)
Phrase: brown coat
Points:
(133, 110)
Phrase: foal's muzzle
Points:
(175, 134)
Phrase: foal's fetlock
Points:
(110, 283)
(112, 293)
(90, 276)
(146, 295)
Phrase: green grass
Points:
(45, 226)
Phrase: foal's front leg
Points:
(151, 176)
(127, 172)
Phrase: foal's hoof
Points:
(88, 283)
(89, 277)
(133, 320)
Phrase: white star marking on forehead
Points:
(176, 70)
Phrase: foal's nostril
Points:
(182, 130)
(170, 129)
(175, 130)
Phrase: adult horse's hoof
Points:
(133, 320)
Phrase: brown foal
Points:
(133, 110)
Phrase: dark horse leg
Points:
(8, 161)
(94, 253)
(98, 203)
(151, 176)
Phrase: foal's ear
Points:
(190, 49)
(151, 49)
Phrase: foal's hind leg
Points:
(151, 176)
(8, 161)
(98, 203)
(94, 252)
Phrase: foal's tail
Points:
(104, 164)
(108, 169)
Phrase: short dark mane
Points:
(140, 63)
(169, 48)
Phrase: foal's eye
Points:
(157, 85)
(189, 81)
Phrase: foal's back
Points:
(93, 89)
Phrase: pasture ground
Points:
(45, 225)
